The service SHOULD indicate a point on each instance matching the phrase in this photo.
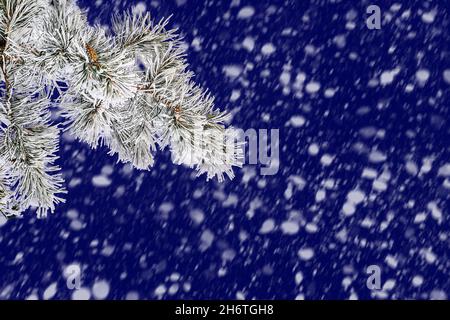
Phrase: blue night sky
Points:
(363, 179)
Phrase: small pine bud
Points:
(92, 54)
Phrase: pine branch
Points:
(130, 90)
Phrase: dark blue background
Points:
(150, 244)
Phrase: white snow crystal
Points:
(50, 291)
(312, 87)
(76, 225)
(298, 278)
(436, 213)
(427, 165)
(232, 71)
(320, 195)
(422, 75)
(132, 295)
(326, 159)
(196, 44)
(412, 168)
(313, 149)
(173, 288)
(420, 217)
(160, 290)
(248, 44)
(267, 226)
(268, 49)
(298, 181)
(409, 87)
(429, 256)
(100, 290)
(417, 281)
(101, 181)
(72, 214)
(300, 78)
(391, 261)
(329, 93)
(235, 94)
(377, 156)
(107, 170)
(369, 173)
(446, 76)
(368, 223)
(197, 216)
(340, 41)
(285, 78)
(356, 196)
(166, 207)
(297, 121)
(389, 285)
(240, 295)
(428, 17)
(387, 77)
(81, 294)
(329, 184)
(246, 12)
(306, 254)
(311, 228)
(140, 8)
(290, 227)
(348, 208)
(444, 170)
(437, 294)
(206, 239)
(379, 185)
